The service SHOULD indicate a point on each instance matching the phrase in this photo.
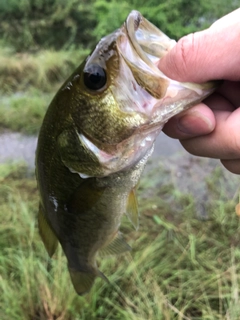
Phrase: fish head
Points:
(121, 100)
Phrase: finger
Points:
(217, 101)
(199, 120)
(229, 19)
(232, 165)
(223, 142)
(231, 91)
(206, 55)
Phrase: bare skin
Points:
(210, 129)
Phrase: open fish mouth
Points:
(143, 96)
(149, 42)
(142, 45)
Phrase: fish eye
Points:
(94, 77)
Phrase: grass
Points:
(180, 267)
(41, 70)
(24, 111)
(28, 82)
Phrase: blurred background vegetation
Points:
(184, 265)
(31, 25)
(43, 41)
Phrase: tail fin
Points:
(83, 281)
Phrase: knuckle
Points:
(235, 144)
(232, 165)
(231, 141)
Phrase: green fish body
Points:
(95, 140)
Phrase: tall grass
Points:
(41, 70)
(28, 82)
(180, 267)
(24, 111)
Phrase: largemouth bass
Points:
(95, 140)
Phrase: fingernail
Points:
(194, 123)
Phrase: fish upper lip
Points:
(147, 40)
(147, 45)
(141, 45)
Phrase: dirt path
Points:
(18, 147)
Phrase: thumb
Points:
(206, 55)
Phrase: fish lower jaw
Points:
(125, 155)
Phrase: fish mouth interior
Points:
(142, 45)
(149, 42)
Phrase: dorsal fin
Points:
(48, 237)
(116, 246)
(132, 209)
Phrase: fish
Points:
(95, 140)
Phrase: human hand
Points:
(212, 128)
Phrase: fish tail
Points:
(83, 281)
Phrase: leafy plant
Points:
(35, 24)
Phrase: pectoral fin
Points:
(117, 245)
(48, 237)
(132, 209)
